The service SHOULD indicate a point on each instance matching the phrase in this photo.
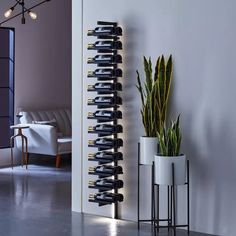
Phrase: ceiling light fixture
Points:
(24, 10)
(33, 15)
(9, 12)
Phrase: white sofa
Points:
(47, 139)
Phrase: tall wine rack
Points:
(107, 115)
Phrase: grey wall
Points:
(77, 101)
(201, 37)
(43, 58)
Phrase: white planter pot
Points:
(163, 169)
(148, 148)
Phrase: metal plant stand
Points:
(171, 204)
(152, 220)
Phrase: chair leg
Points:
(23, 151)
(58, 161)
(11, 143)
(26, 159)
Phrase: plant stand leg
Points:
(168, 206)
(154, 206)
(158, 207)
(152, 197)
(173, 185)
(171, 205)
(188, 218)
(138, 211)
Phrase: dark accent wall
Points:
(42, 58)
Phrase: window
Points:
(7, 57)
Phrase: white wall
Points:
(43, 58)
(201, 37)
(77, 108)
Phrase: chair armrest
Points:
(42, 139)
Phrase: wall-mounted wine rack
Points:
(107, 115)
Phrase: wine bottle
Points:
(105, 100)
(105, 87)
(107, 197)
(106, 30)
(106, 114)
(106, 128)
(105, 73)
(106, 142)
(106, 183)
(99, 59)
(105, 45)
(110, 183)
(106, 155)
(106, 169)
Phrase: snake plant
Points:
(154, 92)
(170, 139)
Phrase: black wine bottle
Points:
(106, 197)
(105, 45)
(105, 100)
(106, 183)
(105, 73)
(102, 59)
(105, 31)
(105, 87)
(106, 114)
(106, 128)
(106, 142)
(106, 155)
(106, 169)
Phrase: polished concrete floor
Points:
(37, 202)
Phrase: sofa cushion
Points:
(52, 122)
(62, 117)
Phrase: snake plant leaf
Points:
(148, 74)
(146, 89)
(157, 69)
(145, 121)
(162, 81)
(139, 87)
(177, 121)
(168, 75)
(178, 133)
(158, 94)
(152, 120)
(154, 92)
(170, 139)
(150, 69)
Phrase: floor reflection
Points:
(37, 202)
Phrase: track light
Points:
(24, 10)
(33, 15)
(8, 12)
